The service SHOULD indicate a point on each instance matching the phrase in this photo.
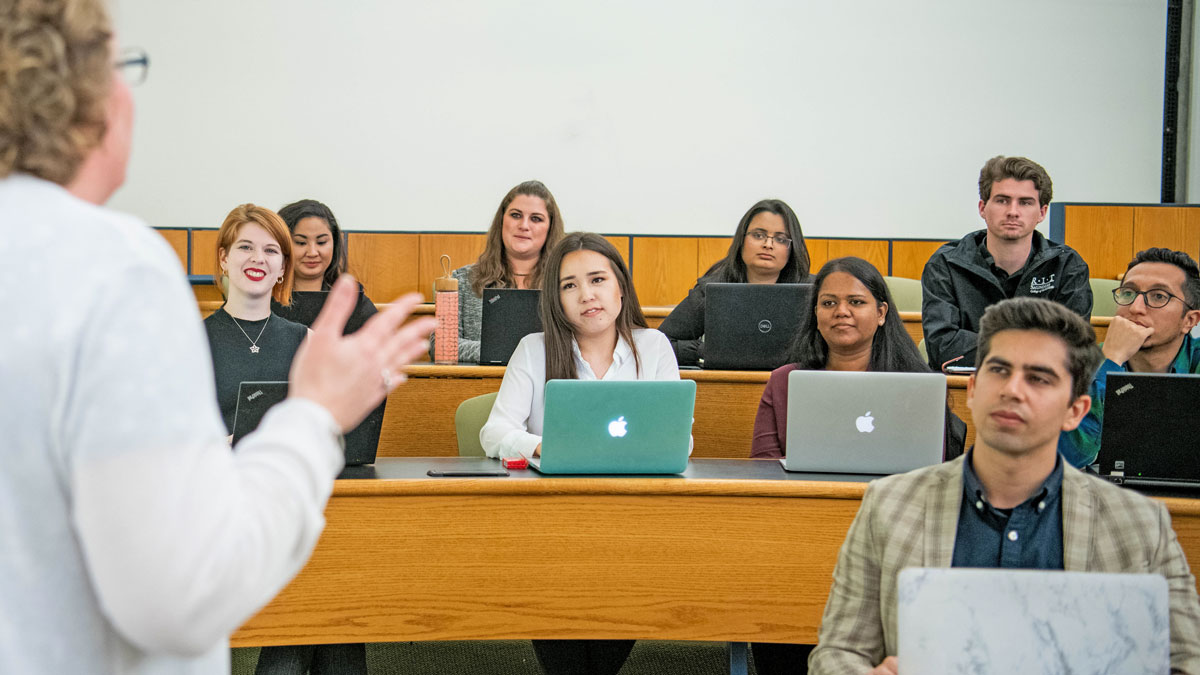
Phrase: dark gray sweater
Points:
(234, 363)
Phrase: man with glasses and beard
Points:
(1158, 304)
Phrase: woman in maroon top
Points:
(850, 326)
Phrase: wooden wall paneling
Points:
(709, 250)
(1103, 235)
(1173, 227)
(463, 249)
(664, 268)
(724, 414)
(178, 239)
(818, 253)
(204, 252)
(1192, 229)
(909, 257)
(622, 244)
(874, 251)
(207, 293)
(385, 263)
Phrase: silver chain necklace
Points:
(254, 342)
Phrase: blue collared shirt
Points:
(1029, 536)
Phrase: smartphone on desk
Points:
(466, 473)
(960, 370)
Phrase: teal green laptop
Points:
(630, 427)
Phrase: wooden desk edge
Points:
(680, 487)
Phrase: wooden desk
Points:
(912, 324)
(733, 551)
(419, 420)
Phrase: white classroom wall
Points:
(870, 118)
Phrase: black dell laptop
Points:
(256, 398)
(509, 314)
(751, 326)
(1150, 431)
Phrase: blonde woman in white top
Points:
(594, 330)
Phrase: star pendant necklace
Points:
(254, 342)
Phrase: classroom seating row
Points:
(665, 267)
(655, 316)
(419, 419)
(734, 550)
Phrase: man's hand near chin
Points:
(1124, 339)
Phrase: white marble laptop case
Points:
(982, 621)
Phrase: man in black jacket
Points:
(1007, 259)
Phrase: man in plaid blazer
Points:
(1010, 502)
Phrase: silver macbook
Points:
(627, 427)
(864, 424)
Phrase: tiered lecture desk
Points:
(733, 550)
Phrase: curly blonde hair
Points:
(55, 77)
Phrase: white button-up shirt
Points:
(514, 429)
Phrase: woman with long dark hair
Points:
(320, 258)
(850, 324)
(594, 330)
(768, 247)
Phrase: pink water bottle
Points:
(445, 310)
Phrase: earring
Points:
(279, 281)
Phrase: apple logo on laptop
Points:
(616, 428)
(865, 423)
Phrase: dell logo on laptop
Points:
(764, 326)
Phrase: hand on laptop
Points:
(349, 375)
(1124, 339)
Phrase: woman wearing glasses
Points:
(768, 247)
